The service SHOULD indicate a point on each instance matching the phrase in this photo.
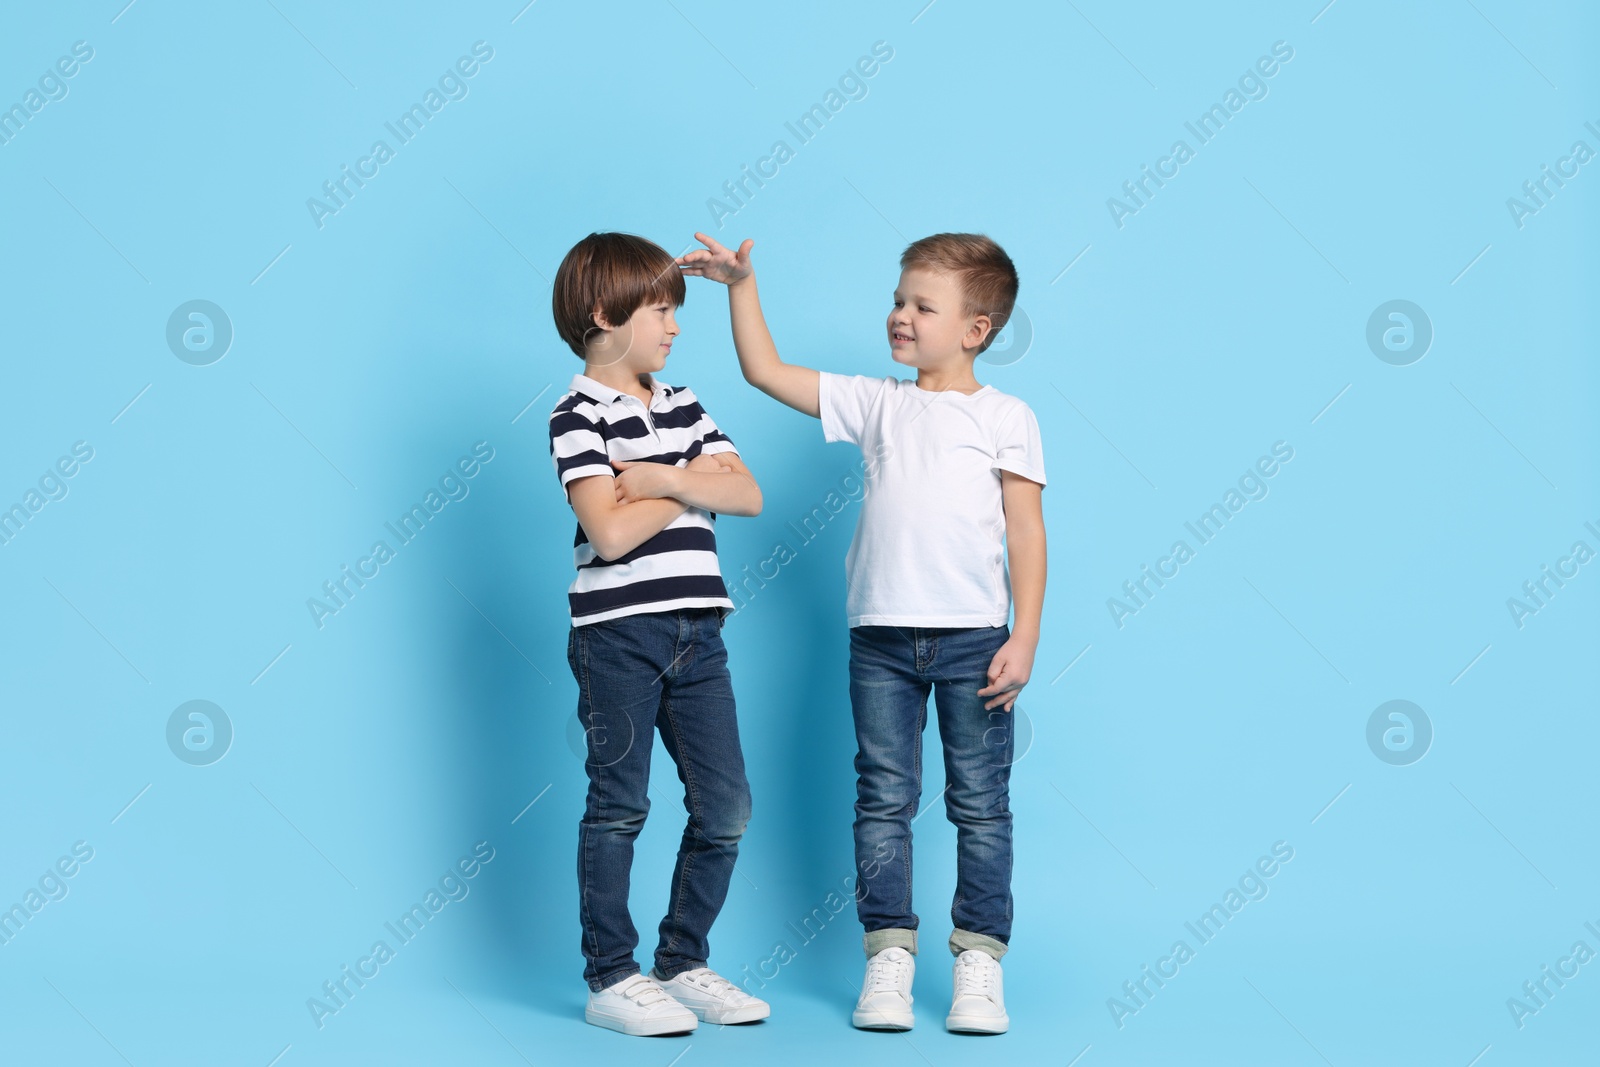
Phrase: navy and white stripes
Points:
(594, 424)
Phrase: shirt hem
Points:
(591, 470)
(973, 621)
(654, 607)
(1021, 470)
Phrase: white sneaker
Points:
(638, 1006)
(979, 1004)
(885, 1002)
(713, 998)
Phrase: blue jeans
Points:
(636, 674)
(892, 670)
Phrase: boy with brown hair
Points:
(955, 487)
(646, 472)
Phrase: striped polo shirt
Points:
(677, 568)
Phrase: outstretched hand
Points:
(716, 262)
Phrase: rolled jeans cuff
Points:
(875, 941)
(962, 940)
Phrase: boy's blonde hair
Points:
(982, 270)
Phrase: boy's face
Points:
(926, 327)
(641, 344)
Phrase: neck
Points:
(619, 377)
(948, 379)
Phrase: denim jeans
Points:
(892, 670)
(636, 674)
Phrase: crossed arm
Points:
(620, 512)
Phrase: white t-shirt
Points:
(929, 548)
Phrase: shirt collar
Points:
(582, 383)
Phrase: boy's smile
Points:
(926, 326)
(651, 331)
(642, 344)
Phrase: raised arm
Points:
(789, 383)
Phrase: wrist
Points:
(1027, 633)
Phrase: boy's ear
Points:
(598, 317)
(980, 329)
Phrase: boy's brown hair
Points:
(985, 274)
(617, 272)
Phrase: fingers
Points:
(997, 669)
(708, 241)
(1004, 690)
(624, 486)
(1007, 696)
(714, 251)
(1005, 683)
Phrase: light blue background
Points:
(1230, 713)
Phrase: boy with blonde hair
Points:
(955, 486)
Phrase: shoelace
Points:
(886, 976)
(974, 979)
(712, 982)
(643, 992)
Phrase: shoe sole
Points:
(977, 1024)
(750, 1013)
(878, 1020)
(650, 1028)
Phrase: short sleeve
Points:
(844, 402)
(1019, 448)
(577, 447)
(712, 439)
